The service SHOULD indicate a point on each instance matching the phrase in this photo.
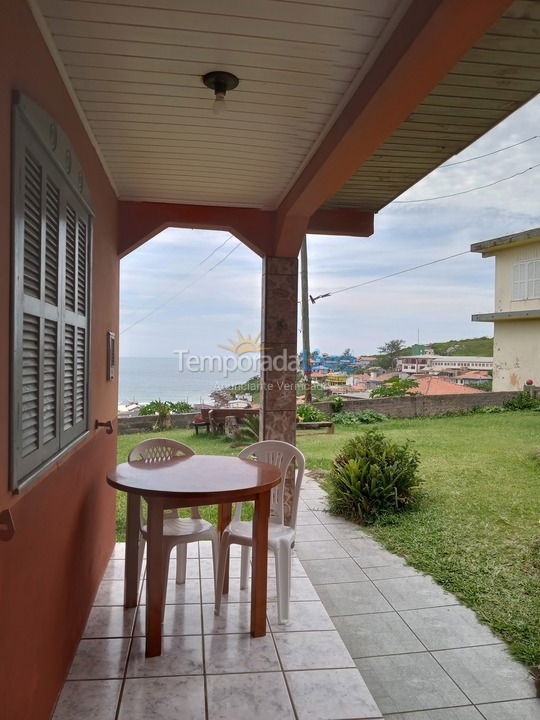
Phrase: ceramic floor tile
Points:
(368, 553)
(101, 659)
(319, 550)
(376, 634)
(234, 595)
(302, 616)
(239, 653)
(307, 533)
(403, 683)
(177, 620)
(110, 592)
(312, 650)
(388, 572)
(513, 710)
(456, 713)
(331, 695)
(88, 700)
(348, 531)
(233, 618)
(247, 696)
(189, 592)
(119, 550)
(337, 570)
(109, 621)
(181, 655)
(441, 628)
(352, 598)
(487, 674)
(302, 590)
(328, 519)
(306, 517)
(410, 593)
(192, 568)
(114, 569)
(207, 568)
(205, 550)
(162, 698)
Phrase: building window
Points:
(51, 232)
(526, 280)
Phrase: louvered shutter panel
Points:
(75, 345)
(51, 237)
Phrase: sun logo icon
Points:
(243, 345)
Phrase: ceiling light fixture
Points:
(220, 82)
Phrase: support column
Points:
(278, 355)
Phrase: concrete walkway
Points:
(422, 655)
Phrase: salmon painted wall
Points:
(64, 523)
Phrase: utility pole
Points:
(306, 354)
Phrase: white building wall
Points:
(504, 263)
(516, 354)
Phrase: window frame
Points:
(36, 134)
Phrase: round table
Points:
(186, 482)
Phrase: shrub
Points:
(249, 429)
(367, 417)
(522, 401)
(308, 413)
(337, 404)
(372, 476)
(395, 387)
(164, 408)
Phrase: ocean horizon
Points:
(143, 379)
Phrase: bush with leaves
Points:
(395, 387)
(164, 408)
(367, 417)
(337, 404)
(308, 413)
(372, 476)
(522, 401)
(249, 429)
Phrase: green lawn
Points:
(476, 529)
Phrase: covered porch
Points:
(339, 109)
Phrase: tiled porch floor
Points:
(353, 606)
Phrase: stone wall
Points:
(422, 405)
(145, 423)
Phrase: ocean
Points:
(146, 379)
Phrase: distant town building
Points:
(336, 378)
(516, 354)
(434, 385)
(411, 364)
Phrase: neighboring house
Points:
(433, 385)
(438, 363)
(472, 377)
(517, 308)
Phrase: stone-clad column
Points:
(278, 355)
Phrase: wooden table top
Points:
(196, 476)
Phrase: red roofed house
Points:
(432, 385)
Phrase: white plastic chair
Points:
(177, 531)
(280, 536)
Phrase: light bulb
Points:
(219, 105)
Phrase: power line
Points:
(214, 251)
(493, 152)
(465, 192)
(385, 277)
(187, 286)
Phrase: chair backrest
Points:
(281, 454)
(158, 450)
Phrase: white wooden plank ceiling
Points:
(136, 68)
(498, 75)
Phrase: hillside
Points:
(471, 346)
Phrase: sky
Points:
(172, 300)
